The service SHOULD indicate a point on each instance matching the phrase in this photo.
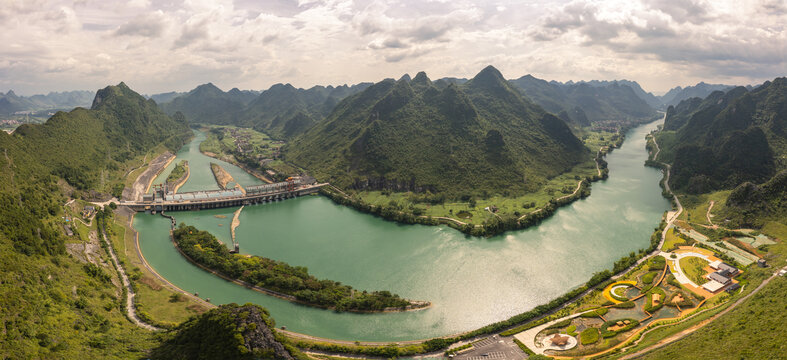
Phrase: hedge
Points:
(589, 336)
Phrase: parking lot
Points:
(493, 347)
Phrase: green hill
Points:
(209, 105)
(52, 305)
(80, 145)
(727, 139)
(588, 103)
(227, 332)
(751, 205)
(410, 135)
(284, 111)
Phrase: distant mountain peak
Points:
(405, 77)
(10, 93)
(489, 77)
(421, 79)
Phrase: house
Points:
(712, 286)
(733, 287)
(720, 277)
(726, 269)
(761, 263)
(68, 230)
(88, 211)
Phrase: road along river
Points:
(471, 282)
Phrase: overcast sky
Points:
(172, 45)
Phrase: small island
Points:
(178, 176)
(280, 279)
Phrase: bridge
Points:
(164, 200)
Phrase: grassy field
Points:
(474, 211)
(696, 206)
(672, 240)
(692, 267)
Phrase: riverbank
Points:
(281, 231)
(175, 184)
(497, 224)
(199, 242)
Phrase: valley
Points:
(585, 248)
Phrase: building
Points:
(719, 276)
(88, 211)
(733, 287)
(726, 269)
(761, 263)
(712, 286)
(68, 230)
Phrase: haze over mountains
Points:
(67, 100)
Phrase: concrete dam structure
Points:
(162, 199)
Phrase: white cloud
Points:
(164, 46)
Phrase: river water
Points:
(471, 282)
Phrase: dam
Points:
(163, 199)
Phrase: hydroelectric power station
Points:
(163, 199)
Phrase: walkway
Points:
(528, 337)
(131, 310)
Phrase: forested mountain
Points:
(53, 306)
(753, 205)
(701, 90)
(586, 103)
(67, 100)
(79, 145)
(284, 111)
(412, 135)
(728, 138)
(210, 105)
(227, 332)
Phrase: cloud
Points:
(164, 46)
(149, 25)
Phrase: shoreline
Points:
(182, 180)
(414, 305)
(479, 332)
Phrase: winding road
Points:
(131, 310)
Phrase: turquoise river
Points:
(471, 282)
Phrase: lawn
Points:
(672, 240)
(648, 278)
(693, 268)
(696, 206)
(589, 336)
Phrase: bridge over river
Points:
(163, 200)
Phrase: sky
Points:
(158, 46)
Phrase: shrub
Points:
(625, 305)
(572, 330)
(648, 278)
(589, 336)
